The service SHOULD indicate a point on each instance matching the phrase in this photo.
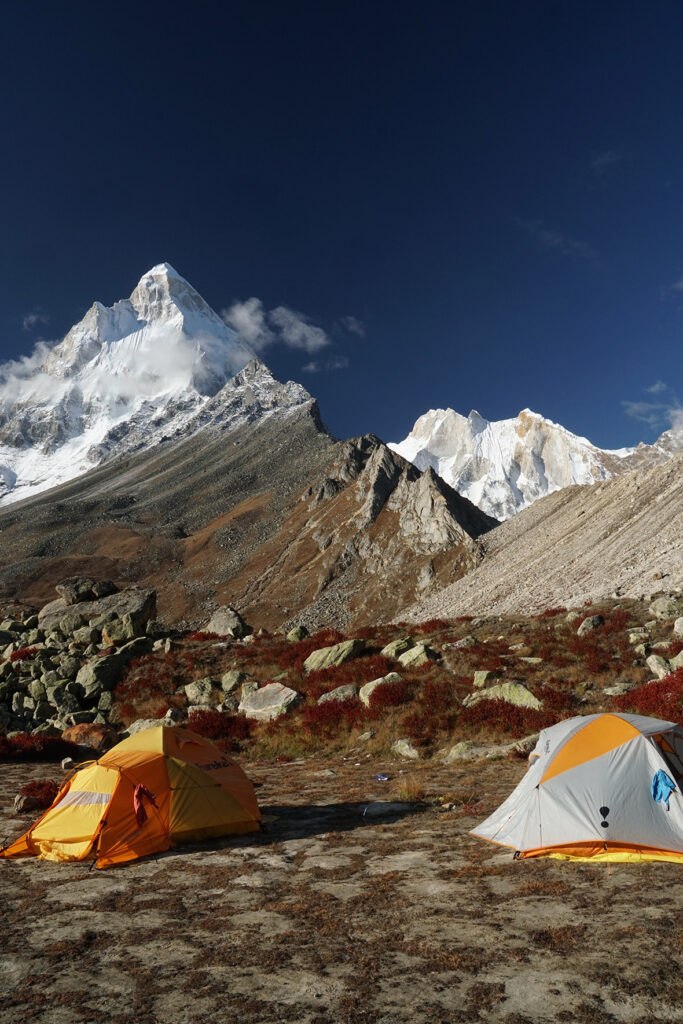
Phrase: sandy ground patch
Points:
(333, 914)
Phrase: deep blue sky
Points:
(494, 189)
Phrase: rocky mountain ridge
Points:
(504, 466)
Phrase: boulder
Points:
(199, 691)
(225, 621)
(105, 672)
(87, 635)
(231, 680)
(397, 647)
(82, 588)
(513, 693)
(328, 657)
(140, 724)
(70, 623)
(120, 631)
(139, 603)
(463, 751)
(589, 624)
(366, 691)
(572, 617)
(297, 634)
(270, 701)
(658, 666)
(480, 678)
(89, 734)
(418, 655)
(462, 644)
(345, 692)
(678, 626)
(666, 607)
(404, 748)
(677, 662)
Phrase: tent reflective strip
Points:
(79, 796)
(199, 802)
(68, 829)
(596, 738)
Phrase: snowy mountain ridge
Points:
(503, 466)
(159, 364)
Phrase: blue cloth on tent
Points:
(662, 787)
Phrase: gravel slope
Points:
(577, 545)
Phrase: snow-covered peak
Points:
(125, 376)
(503, 466)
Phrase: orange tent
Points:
(158, 788)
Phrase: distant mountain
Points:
(504, 466)
(160, 364)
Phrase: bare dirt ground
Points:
(340, 911)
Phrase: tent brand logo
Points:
(604, 811)
(212, 766)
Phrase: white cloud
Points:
(664, 414)
(353, 325)
(258, 329)
(249, 320)
(334, 363)
(555, 241)
(297, 331)
(32, 320)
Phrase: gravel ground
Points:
(343, 909)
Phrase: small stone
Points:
(226, 621)
(199, 691)
(231, 680)
(666, 607)
(678, 626)
(404, 748)
(344, 692)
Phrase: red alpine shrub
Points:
(327, 719)
(389, 695)
(43, 792)
(214, 725)
(660, 699)
(201, 635)
(550, 613)
(23, 654)
(26, 747)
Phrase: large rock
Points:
(416, 656)
(366, 691)
(658, 666)
(328, 657)
(89, 734)
(199, 691)
(513, 693)
(232, 679)
(82, 588)
(297, 634)
(665, 607)
(345, 692)
(225, 621)
(104, 673)
(678, 626)
(140, 604)
(589, 624)
(397, 647)
(270, 701)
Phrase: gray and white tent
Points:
(600, 787)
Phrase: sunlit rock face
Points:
(504, 466)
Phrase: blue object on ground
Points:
(381, 777)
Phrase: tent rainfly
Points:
(598, 787)
(158, 788)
